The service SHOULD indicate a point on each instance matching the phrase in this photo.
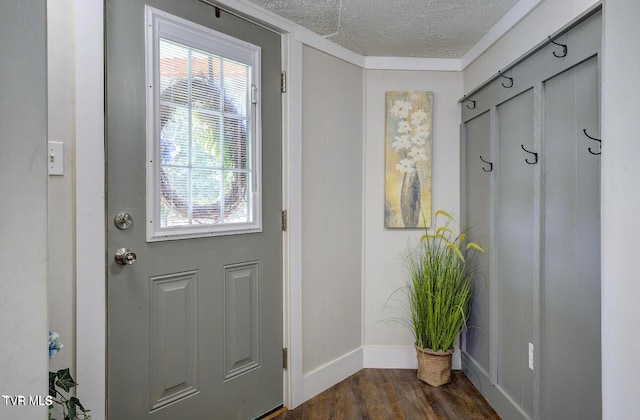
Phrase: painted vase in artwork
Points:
(410, 199)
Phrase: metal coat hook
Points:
(470, 100)
(564, 49)
(490, 165)
(584, 130)
(506, 77)
(535, 155)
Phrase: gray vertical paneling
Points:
(544, 233)
(583, 40)
(478, 207)
(515, 248)
(538, 216)
(571, 323)
(493, 259)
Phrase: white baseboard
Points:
(504, 405)
(398, 357)
(331, 373)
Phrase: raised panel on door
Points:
(173, 337)
(477, 143)
(514, 248)
(571, 377)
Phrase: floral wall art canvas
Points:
(408, 141)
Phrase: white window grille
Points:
(203, 145)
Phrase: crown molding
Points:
(412, 63)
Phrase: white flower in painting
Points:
(418, 117)
(401, 143)
(423, 131)
(400, 109)
(419, 140)
(418, 154)
(403, 127)
(420, 135)
(406, 166)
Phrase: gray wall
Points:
(331, 208)
(620, 210)
(23, 226)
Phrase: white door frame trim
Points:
(90, 208)
(91, 323)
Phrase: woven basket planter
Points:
(434, 367)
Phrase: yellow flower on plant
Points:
(475, 246)
(444, 213)
(455, 249)
(443, 229)
(427, 236)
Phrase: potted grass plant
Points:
(439, 293)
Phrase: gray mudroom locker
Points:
(531, 195)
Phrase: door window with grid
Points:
(202, 132)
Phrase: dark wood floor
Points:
(395, 394)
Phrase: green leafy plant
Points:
(439, 291)
(61, 381)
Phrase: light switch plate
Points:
(55, 158)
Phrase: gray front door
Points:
(194, 170)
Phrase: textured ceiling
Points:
(396, 28)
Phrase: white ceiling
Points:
(396, 28)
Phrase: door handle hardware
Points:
(125, 256)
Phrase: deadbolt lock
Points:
(123, 220)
